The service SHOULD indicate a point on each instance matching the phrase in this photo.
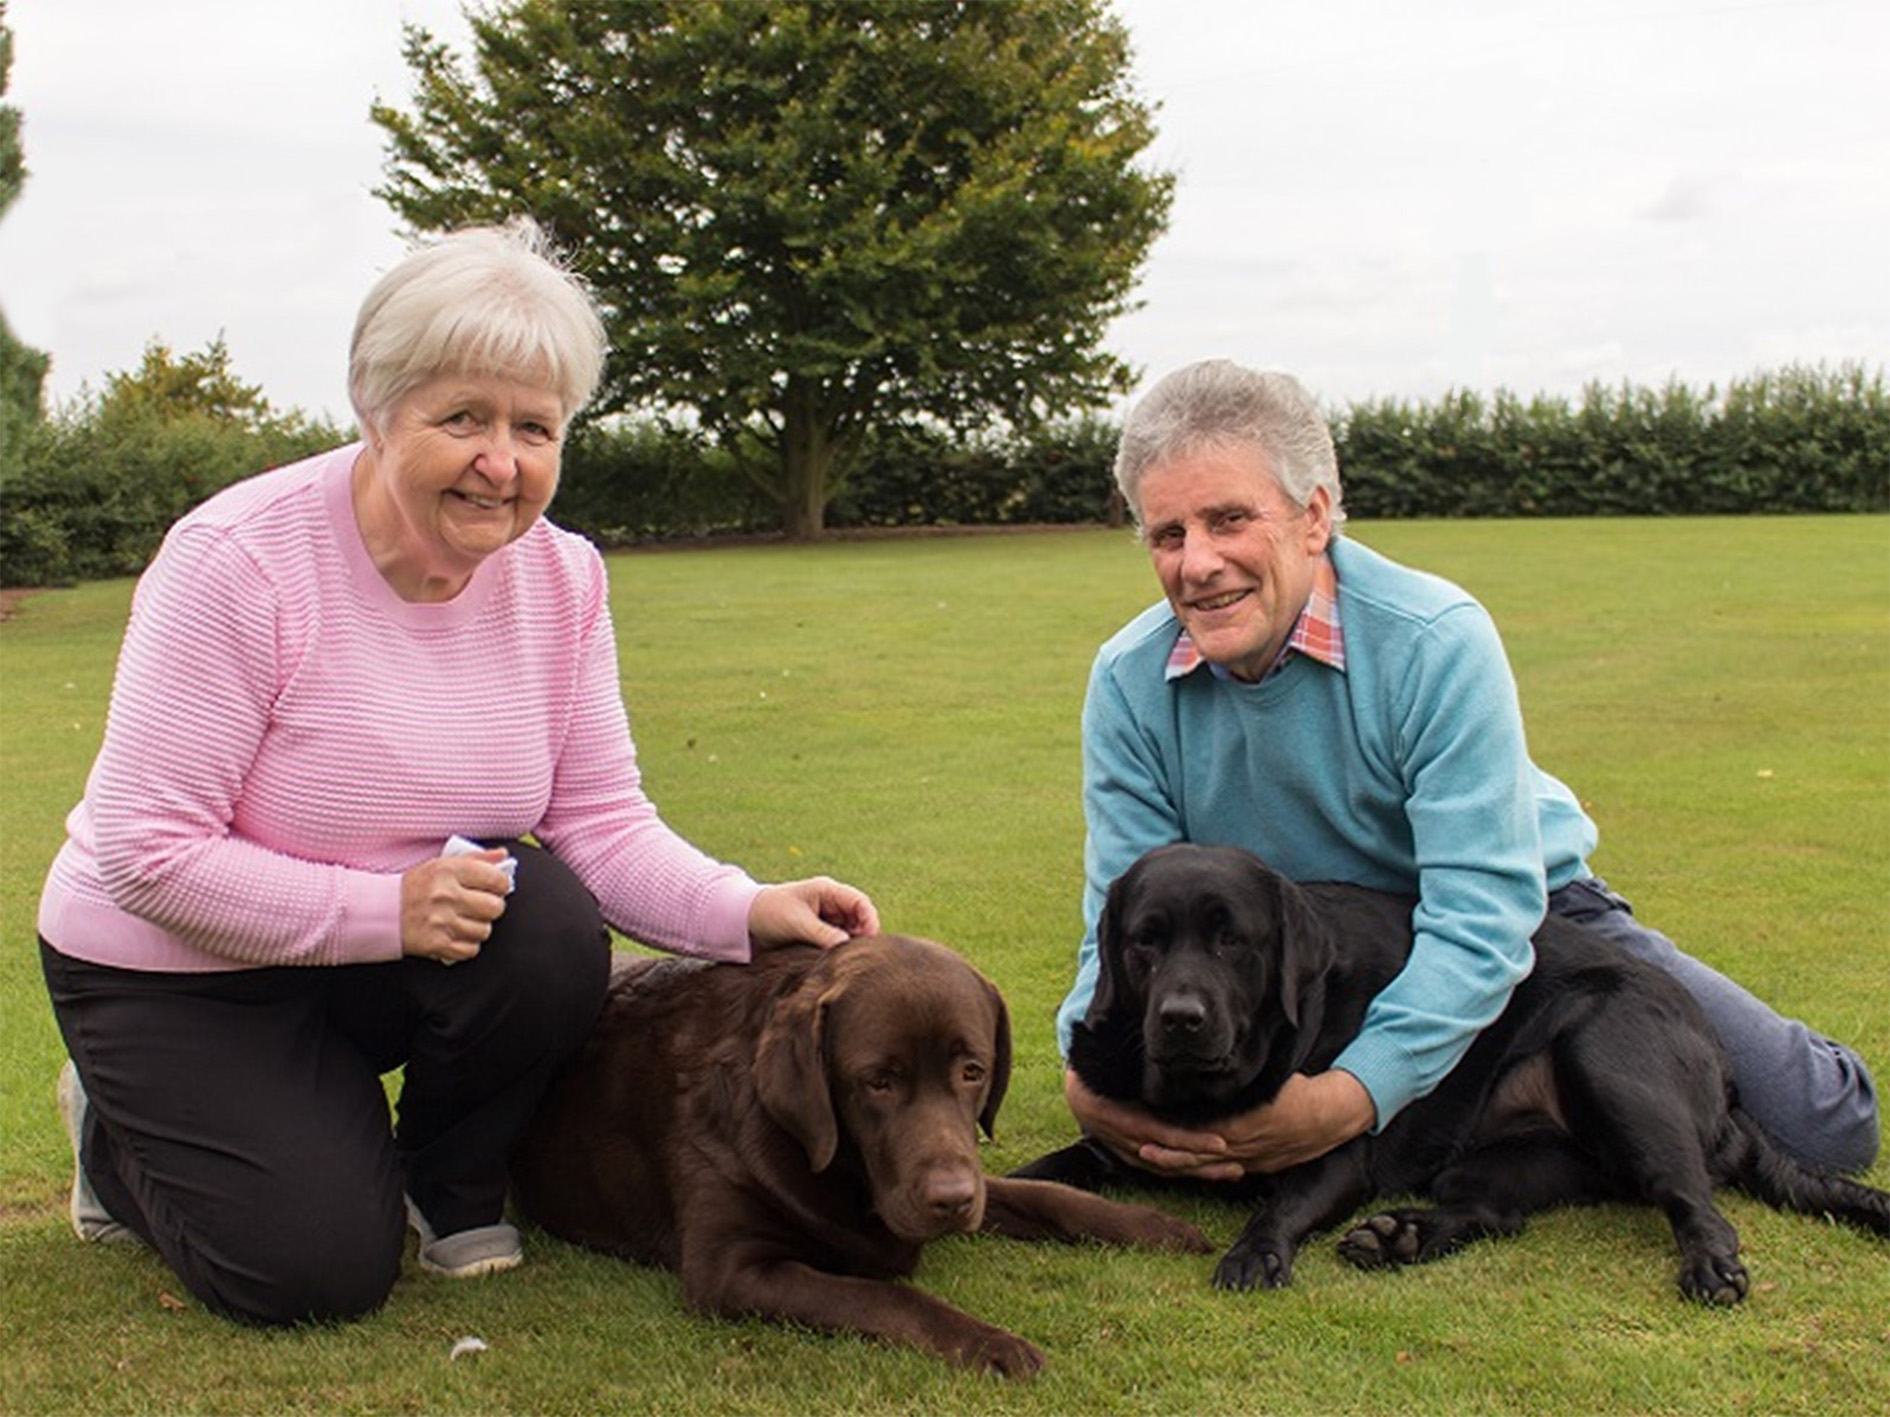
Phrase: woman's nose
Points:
(497, 461)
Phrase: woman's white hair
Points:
(1217, 404)
(494, 300)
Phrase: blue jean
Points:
(1813, 1096)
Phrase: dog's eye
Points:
(882, 1081)
(1139, 957)
(972, 1071)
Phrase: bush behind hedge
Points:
(95, 490)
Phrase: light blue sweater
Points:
(1407, 771)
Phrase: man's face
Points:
(1235, 557)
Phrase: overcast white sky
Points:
(1388, 197)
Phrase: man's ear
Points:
(1318, 521)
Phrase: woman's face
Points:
(462, 466)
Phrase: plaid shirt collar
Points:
(1316, 634)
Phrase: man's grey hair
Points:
(1218, 404)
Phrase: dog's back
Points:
(596, 1166)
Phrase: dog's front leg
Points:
(1086, 1163)
(1026, 1209)
(733, 1281)
(1301, 1201)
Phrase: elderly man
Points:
(1351, 719)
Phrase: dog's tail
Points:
(1761, 1170)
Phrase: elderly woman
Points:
(338, 680)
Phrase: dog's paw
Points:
(1719, 1280)
(1162, 1231)
(1005, 1354)
(1249, 1267)
(1385, 1241)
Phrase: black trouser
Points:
(238, 1123)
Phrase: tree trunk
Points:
(807, 466)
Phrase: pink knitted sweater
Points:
(287, 736)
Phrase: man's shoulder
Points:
(1148, 638)
(1371, 583)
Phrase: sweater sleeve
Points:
(1128, 807)
(650, 882)
(1470, 801)
(199, 670)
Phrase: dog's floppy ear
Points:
(791, 1070)
(1000, 1060)
(1102, 1003)
(1305, 944)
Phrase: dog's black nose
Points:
(1182, 1014)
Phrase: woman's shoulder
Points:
(294, 489)
(551, 550)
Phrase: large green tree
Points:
(22, 370)
(806, 217)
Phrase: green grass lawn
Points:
(903, 714)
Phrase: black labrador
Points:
(1601, 1080)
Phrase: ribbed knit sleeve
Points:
(651, 883)
(198, 678)
(287, 737)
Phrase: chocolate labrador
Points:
(788, 1134)
(1601, 1080)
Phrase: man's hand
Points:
(1143, 1141)
(1309, 1117)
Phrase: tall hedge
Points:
(1796, 440)
(95, 487)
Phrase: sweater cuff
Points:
(1385, 1071)
(369, 932)
(725, 920)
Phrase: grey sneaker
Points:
(485, 1249)
(91, 1222)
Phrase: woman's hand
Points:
(447, 905)
(817, 911)
(1309, 1117)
